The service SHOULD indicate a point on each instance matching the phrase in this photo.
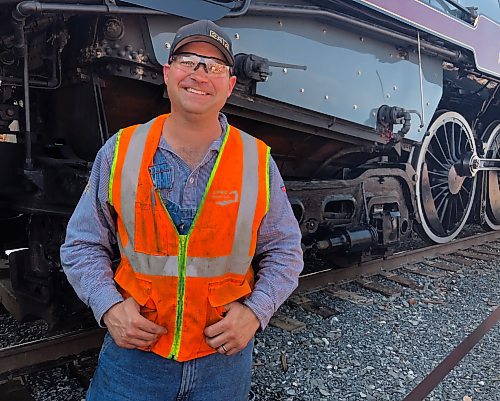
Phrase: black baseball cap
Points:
(203, 31)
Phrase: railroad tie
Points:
(348, 296)
(487, 252)
(472, 254)
(286, 323)
(380, 288)
(423, 272)
(14, 390)
(441, 265)
(314, 307)
(458, 259)
(396, 278)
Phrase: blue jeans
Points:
(134, 375)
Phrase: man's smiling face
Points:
(197, 92)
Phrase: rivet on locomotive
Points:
(383, 117)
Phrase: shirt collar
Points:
(215, 146)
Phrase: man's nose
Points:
(200, 71)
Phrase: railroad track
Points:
(47, 352)
(57, 350)
(432, 261)
(315, 281)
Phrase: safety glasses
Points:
(190, 62)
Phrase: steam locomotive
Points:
(383, 117)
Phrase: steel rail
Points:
(315, 281)
(426, 386)
(17, 358)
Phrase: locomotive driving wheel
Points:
(491, 179)
(444, 196)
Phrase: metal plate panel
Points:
(347, 76)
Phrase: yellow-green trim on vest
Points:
(181, 294)
(183, 244)
(113, 167)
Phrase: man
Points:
(190, 201)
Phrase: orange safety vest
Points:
(182, 282)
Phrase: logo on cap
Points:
(219, 39)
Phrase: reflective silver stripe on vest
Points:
(143, 263)
(239, 260)
(151, 264)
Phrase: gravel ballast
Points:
(379, 351)
(382, 351)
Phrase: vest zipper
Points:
(181, 291)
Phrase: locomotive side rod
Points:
(471, 164)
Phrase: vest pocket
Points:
(222, 293)
(151, 229)
(140, 289)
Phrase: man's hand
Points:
(234, 331)
(128, 328)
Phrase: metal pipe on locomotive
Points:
(383, 118)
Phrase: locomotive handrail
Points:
(28, 8)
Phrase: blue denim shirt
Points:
(162, 174)
(91, 232)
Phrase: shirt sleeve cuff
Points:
(102, 301)
(262, 306)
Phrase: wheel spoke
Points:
(456, 215)
(453, 147)
(448, 142)
(439, 184)
(459, 146)
(443, 206)
(440, 193)
(461, 200)
(437, 161)
(445, 156)
(438, 174)
(442, 203)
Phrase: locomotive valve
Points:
(387, 116)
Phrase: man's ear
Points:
(232, 82)
(166, 69)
